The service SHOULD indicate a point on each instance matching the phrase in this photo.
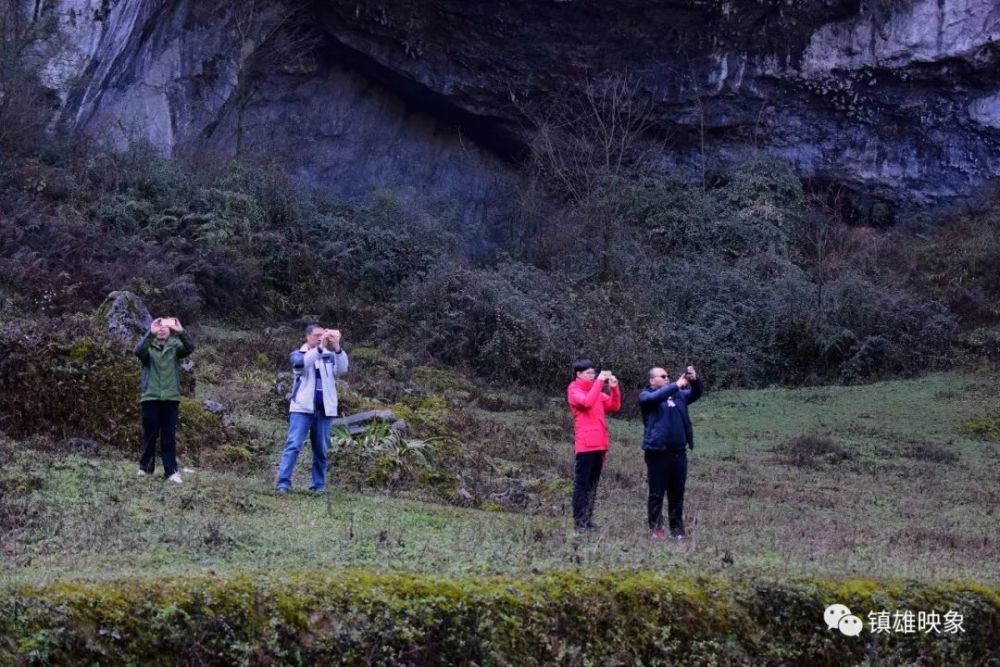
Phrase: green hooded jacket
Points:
(161, 368)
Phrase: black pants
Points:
(159, 419)
(667, 471)
(588, 474)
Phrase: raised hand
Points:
(331, 339)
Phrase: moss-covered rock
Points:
(372, 362)
(68, 381)
(123, 316)
(426, 415)
(445, 383)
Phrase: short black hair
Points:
(311, 326)
(583, 364)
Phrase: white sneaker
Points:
(175, 478)
(143, 473)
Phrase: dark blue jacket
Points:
(665, 416)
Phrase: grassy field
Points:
(906, 486)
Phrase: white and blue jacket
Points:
(305, 361)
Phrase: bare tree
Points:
(586, 140)
(822, 239)
(23, 99)
(587, 145)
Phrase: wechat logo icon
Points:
(838, 616)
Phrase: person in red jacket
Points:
(589, 403)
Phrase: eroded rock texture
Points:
(897, 99)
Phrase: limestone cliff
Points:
(897, 99)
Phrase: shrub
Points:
(68, 381)
(380, 457)
(808, 451)
(933, 452)
(241, 240)
(959, 264)
(982, 428)
(982, 342)
(897, 332)
(500, 321)
(745, 215)
(680, 274)
(764, 184)
(513, 321)
(561, 618)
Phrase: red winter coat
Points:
(588, 403)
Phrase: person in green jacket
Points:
(160, 351)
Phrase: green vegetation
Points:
(100, 565)
(577, 618)
(66, 380)
(747, 275)
(909, 495)
(451, 542)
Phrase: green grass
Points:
(98, 565)
(868, 417)
(877, 514)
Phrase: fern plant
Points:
(380, 453)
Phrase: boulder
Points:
(357, 423)
(213, 406)
(124, 316)
(83, 445)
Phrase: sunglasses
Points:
(663, 376)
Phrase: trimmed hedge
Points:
(560, 618)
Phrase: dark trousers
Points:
(159, 419)
(588, 474)
(667, 472)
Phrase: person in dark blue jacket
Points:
(667, 431)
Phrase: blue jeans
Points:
(317, 427)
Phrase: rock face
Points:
(899, 100)
(220, 79)
(357, 423)
(125, 316)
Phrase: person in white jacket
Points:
(315, 366)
